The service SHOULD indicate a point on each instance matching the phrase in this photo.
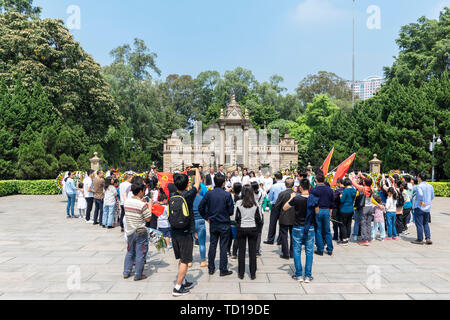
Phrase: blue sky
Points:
(292, 38)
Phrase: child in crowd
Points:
(164, 226)
(82, 204)
(378, 220)
(391, 206)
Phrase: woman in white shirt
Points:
(268, 182)
(109, 202)
(391, 206)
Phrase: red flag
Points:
(158, 209)
(164, 179)
(326, 164)
(342, 169)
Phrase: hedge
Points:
(48, 187)
(32, 187)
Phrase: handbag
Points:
(360, 201)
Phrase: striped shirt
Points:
(136, 211)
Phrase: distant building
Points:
(367, 88)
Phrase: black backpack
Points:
(178, 213)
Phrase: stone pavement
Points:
(42, 254)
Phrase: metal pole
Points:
(432, 150)
(353, 59)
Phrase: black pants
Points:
(258, 241)
(153, 222)
(286, 247)
(399, 223)
(346, 226)
(218, 232)
(234, 244)
(122, 215)
(242, 236)
(274, 215)
(336, 217)
(98, 210)
(405, 218)
(90, 203)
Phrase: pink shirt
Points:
(378, 214)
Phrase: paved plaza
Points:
(43, 254)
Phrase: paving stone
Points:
(325, 288)
(34, 296)
(237, 297)
(168, 296)
(103, 296)
(438, 287)
(309, 297)
(423, 296)
(402, 287)
(85, 287)
(389, 297)
(294, 288)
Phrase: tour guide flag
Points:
(164, 179)
(342, 169)
(326, 164)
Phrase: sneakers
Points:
(365, 243)
(389, 239)
(417, 242)
(308, 279)
(181, 292)
(344, 243)
(203, 264)
(233, 258)
(188, 285)
(88, 221)
(429, 242)
(318, 253)
(299, 279)
(405, 233)
(395, 238)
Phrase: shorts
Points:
(183, 246)
(165, 232)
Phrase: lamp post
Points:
(436, 140)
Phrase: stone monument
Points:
(95, 162)
(375, 164)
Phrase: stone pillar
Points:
(246, 146)
(309, 167)
(375, 165)
(222, 145)
(95, 162)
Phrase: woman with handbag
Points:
(248, 219)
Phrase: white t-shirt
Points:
(110, 196)
(268, 182)
(235, 179)
(245, 180)
(163, 220)
(87, 183)
(124, 190)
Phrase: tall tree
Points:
(21, 6)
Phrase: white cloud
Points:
(319, 12)
(435, 11)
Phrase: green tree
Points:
(20, 6)
(424, 50)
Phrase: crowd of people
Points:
(304, 207)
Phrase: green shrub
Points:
(441, 189)
(32, 187)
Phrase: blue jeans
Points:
(378, 226)
(298, 241)
(70, 204)
(108, 215)
(357, 218)
(323, 227)
(422, 225)
(200, 229)
(136, 251)
(390, 220)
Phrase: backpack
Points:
(178, 213)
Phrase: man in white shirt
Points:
(210, 178)
(124, 190)
(89, 193)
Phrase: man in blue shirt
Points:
(274, 192)
(326, 200)
(217, 207)
(422, 211)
